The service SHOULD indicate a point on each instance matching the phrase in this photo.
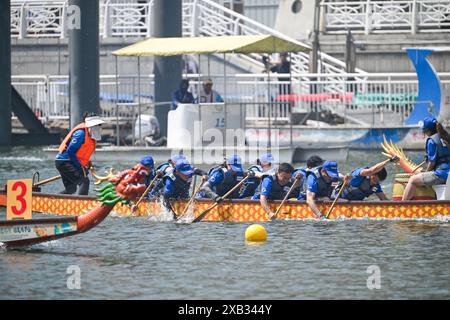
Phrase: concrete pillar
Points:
(166, 23)
(5, 73)
(84, 60)
(314, 54)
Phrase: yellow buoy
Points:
(255, 232)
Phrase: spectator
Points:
(182, 95)
(208, 95)
(282, 66)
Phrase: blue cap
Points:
(177, 157)
(331, 169)
(184, 167)
(148, 161)
(428, 123)
(235, 162)
(266, 158)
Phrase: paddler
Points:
(166, 169)
(178, 182)
(222, 179)
(73, 158)
(168, 166)
(319, 184)
(366, 181)
(132, 182)
(161, 171)
(275, 186)
(143, 172)
(438, 159)
(263, 166)
(301, 175)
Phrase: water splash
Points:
(115, 214)
(163, 215)
(189, 215)
(49, 244)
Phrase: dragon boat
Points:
(243, 210)
(428, 203)
(15, 233)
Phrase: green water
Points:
(137, 258)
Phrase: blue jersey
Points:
(359, 187)
(158, 185)
(149, 178)
(317, 184)
(440, 154)
(76, 141)
(221, 181)
(300, 190)
(165, 168)
(272, 189)
(175, 187)
(249, 187)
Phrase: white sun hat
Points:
(93, 121)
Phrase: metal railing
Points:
(370, 16)
(125, 18)
(377, 99)
(48, 96)
(130, 18)
(49, 19)
(209, 18)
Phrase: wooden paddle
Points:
(420, 165)
(135, 207)
(204, 213)
(297, 178)
(195, 191)
(336, 199)
(195, 182)
(169, 206)
(40, 183)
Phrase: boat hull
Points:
(15, 233)
(247, 210)
(26, 232)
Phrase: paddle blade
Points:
(204, 213)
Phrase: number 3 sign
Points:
(18, 201)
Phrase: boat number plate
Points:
(18, 199)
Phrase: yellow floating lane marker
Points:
(255, 232)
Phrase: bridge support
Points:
(166, 23)
(5, 73)
(83, 59)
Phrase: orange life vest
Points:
(86, 149)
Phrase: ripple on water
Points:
(142, 258)
(26, 159)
